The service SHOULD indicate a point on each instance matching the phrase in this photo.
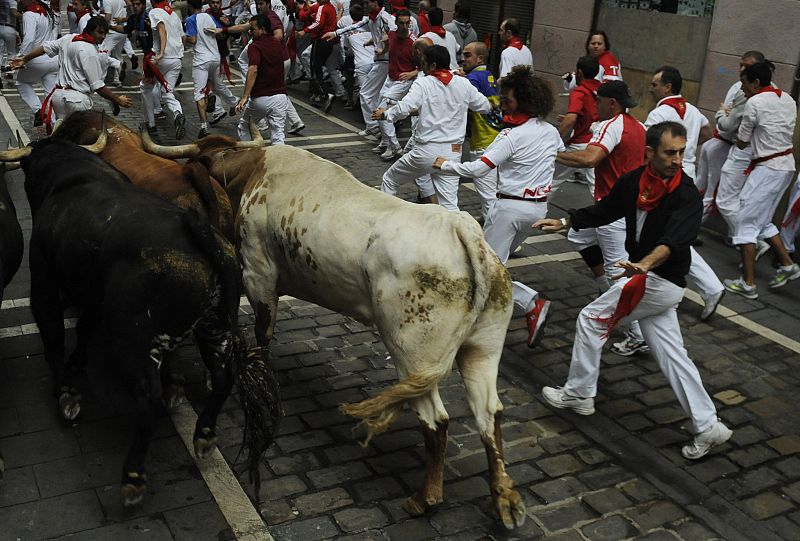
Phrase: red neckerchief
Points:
(438, 30)
(677, 103)
(445, 76)
(632, 292)
(515, 42)
(81, 13)
(770, 88)
(517, 119)
(423, 22)
(165, 6)
(151, 72)
(374, 14)
(793, 214)
(88, 38)
(36, 7)
(653, 188)
(591, 84)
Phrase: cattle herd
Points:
(152, 251)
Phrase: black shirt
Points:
(675, 222)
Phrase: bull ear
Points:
(100, 144)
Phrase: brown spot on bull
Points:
(283, 222)
(316, 208)
(450, 289)
(500, 288)
(292, 202)
(175, 263)
(300, 206)
(303, 232)
(291, 218)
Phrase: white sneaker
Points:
(711, 304)
(369, 131)
(217, 115)
(784, 275)
(379, 149)
(740, 287)
(558, 398)
(762, 248)
(262, 125)
(391, 154)
(630, 346)
(296, 128)
(705, 441)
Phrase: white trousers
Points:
(8, 42)
(114, 43)
(712, 157)
(690, 170)
(291, 113)
(564, 171)
(153, 91)
(418, 163)
(760, 196)
(66, 102)
(731, 181)
(657, 315)
(273, 108)
(791, 224)
(207, 74)
(391, 93)
(702, 276)
(371, 90)
(72, 19)
(486, 186)
(42, 70)
(508, 224)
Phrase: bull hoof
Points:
(69, 403)
(510, 507)
(416, 506)
(133, 489)
(205, 444)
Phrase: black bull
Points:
(11, 244)
(146, 274)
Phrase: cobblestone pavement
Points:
(617, 474)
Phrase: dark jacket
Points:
(675, 222)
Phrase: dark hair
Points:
(758, 56)
(262, 21)
(588, 66)
(195, 4)
(512, 26)
(98, 22)
(462, 11)
(436, 16)
(655, 133)
(356, 12)
(534, 95)
(597, 33)
(400, 13)
(671, 76)
(436, 54)
(761, 71)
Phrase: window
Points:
(691, 8)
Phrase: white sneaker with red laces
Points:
(536, 320)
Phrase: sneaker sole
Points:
(577, 409)
(217, 120)
(784, 282)
(751, 296)
(297, 130)
(538, 334)
(645, 349)
(728, 435)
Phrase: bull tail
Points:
(379, 412)
(258, 387)
(198, 177)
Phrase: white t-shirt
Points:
(524, 156)
(78, 64)
(693, 120)
(117, 10)
(768, 124)
(511, 56)
(174, 28)
(448, 42)
(382, 25)
(442, 108)
(36, 29)
(83, 21)
(280, 11)
(205, 48)
(362, 56)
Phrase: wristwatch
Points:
(563, 222)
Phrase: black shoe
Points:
(232, 57)
(203, 133)
(160, 116)
(134, 61)
(115, 108)
(180, 126)
(123, 72)
(211, 103)
(328, 103)
(349, 105)
(232, 111)
(37, 118)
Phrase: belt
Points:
(516, 198)
(718, 136)
(756, 161)
(9, 25)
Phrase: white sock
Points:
(203, 125)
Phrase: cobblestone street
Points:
(614, 475)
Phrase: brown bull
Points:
(186, 185)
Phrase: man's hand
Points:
(214, 31)
(631, 269)
(408, 75)
(241, 104)
(17, 63)
(378, 113)
(439, 161)
(124, 101)
(329, 36)
(299, 34)
(548, 224)
(224, 19)
(567, 77)
(378, 52)
(158, 58)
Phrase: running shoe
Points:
(559, 398)
(739, 287)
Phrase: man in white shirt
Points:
(666, 89)
(205, 66)
(440, 36)
(767, 126)
(442, 101)
(115, 40)
(515, 53)
(163, 66)
(79, 71)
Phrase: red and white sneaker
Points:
(537, 320)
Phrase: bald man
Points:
(482, 129)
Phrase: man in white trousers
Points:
(442, 100)
(666, 88)
(163, 67)
(662, 209)
(767, 126)
(114, 43)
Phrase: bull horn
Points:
(173, 153)
(56, 126)
(10, 166)
(14, 154)
(100, 144)
(257, 141)
(19, 140)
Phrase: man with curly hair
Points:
(524, 158)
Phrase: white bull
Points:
(423, 276)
